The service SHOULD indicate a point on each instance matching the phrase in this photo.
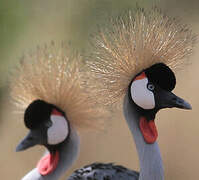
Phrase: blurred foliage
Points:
(70, 20)
(86, 14)
(13, 19)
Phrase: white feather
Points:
(141, 95)
(58, 132)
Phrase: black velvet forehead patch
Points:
(162, 75)
(36, 113)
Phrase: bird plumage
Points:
(51, 73)
(46, 87)
(130, 43)
(101, 171)
(131, 52)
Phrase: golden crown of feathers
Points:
(130, 43)
(52, 74)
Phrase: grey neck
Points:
(68, 153)
(151, 166)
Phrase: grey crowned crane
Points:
(133, 58)
(46, 88)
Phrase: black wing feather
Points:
(100, 171)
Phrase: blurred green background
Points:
(26, 24)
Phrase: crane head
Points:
(150, 91)
(48, 126)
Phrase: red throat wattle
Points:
(48, 163)
(149, 130)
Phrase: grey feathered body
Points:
(100, 171)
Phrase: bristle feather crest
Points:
(52, 74)
(131, 43)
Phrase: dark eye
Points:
(150, 86)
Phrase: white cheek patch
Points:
(59, 130)
(141, 95)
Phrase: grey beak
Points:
(180, 103)
(168, 100)
(30, 140)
